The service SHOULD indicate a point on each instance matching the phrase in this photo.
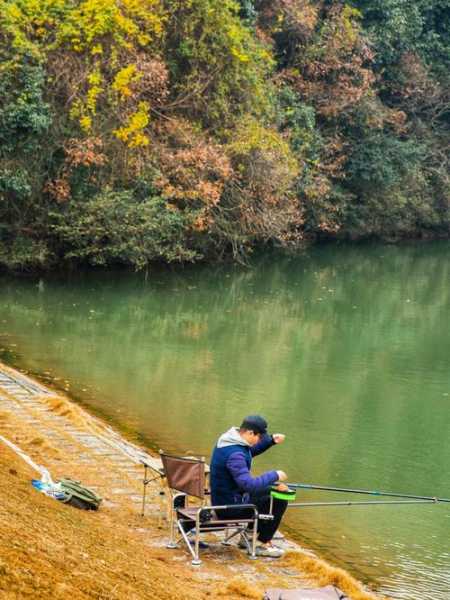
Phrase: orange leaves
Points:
(192, 168)
(203, 221)
(58, 189)
(417, 89)
(245, 186)
(297, 18)
(334, 157)
(85, 153)
(335, 72)
(153, 83)
(193, 172)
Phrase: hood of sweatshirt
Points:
(231, 438)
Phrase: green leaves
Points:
(24, 114)
(380, 160)
(112, 228)
(220, 70)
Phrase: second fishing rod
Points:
(402, 498)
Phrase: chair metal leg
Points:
(144, 490)
(172, 543)
(193, 550)
(196, 562)
(145, 483)
(255, 533)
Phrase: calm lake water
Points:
(346, 349)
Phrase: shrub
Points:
(112, 228)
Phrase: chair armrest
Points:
(225, 506)
(210, 509)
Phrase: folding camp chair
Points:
(186, 478)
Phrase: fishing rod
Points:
(360, 503)
(290, 495)
(311, 486)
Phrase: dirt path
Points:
(115, 552)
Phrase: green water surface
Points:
(345, 349)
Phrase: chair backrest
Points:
(185, 475)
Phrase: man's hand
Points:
(282, 476)
(282, 487)
(278, 438)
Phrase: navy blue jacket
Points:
(230, 478)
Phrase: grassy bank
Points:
(48, 549)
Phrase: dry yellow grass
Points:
(51, 550)
(65, 408)
(244, 589)
(324, 574)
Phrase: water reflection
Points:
(345, 349)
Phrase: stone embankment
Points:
(48, 549)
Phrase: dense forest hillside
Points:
(134, 131)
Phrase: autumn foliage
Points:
(228, 125)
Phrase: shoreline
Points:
(68, 268)
(64, 437)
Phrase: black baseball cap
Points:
(255, 423)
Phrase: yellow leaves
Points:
(84, 110)
(82, 26)
(264, 161)
(126, 26)
(239, 55)
(94, 78)
(14, 16)
(132, 134)
(346, 28)
(143, 39)
(105, 33)
(349, 12)
(252, 136)
(266, 56)
(97, 49)
(95, 89)
(123, 79)
(14, 11)
(91, 98)
(126, 23)
(236, 38)
(86, 123)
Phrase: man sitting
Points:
(232, 483)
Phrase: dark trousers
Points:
(266, 527)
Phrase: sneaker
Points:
(271, 551)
